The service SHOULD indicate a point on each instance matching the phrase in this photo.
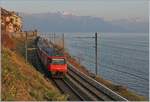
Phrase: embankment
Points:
(20, 81)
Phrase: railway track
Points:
(91, 91)
(78, 86)
(68, 89)
(95, 90)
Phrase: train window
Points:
(58, 61)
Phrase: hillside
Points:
(21, 82)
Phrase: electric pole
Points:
(96, 63)
(26, 46)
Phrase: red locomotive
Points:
(53, 61)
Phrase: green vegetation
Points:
(20, 81)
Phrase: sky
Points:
(107, 9)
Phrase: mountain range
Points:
(59, 22)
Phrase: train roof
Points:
(52, 52)
(49, 50)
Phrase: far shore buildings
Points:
(10, 21)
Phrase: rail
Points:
(98, 85)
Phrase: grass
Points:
(21, 82)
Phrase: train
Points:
(53, 60)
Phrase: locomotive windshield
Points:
(58, 61)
